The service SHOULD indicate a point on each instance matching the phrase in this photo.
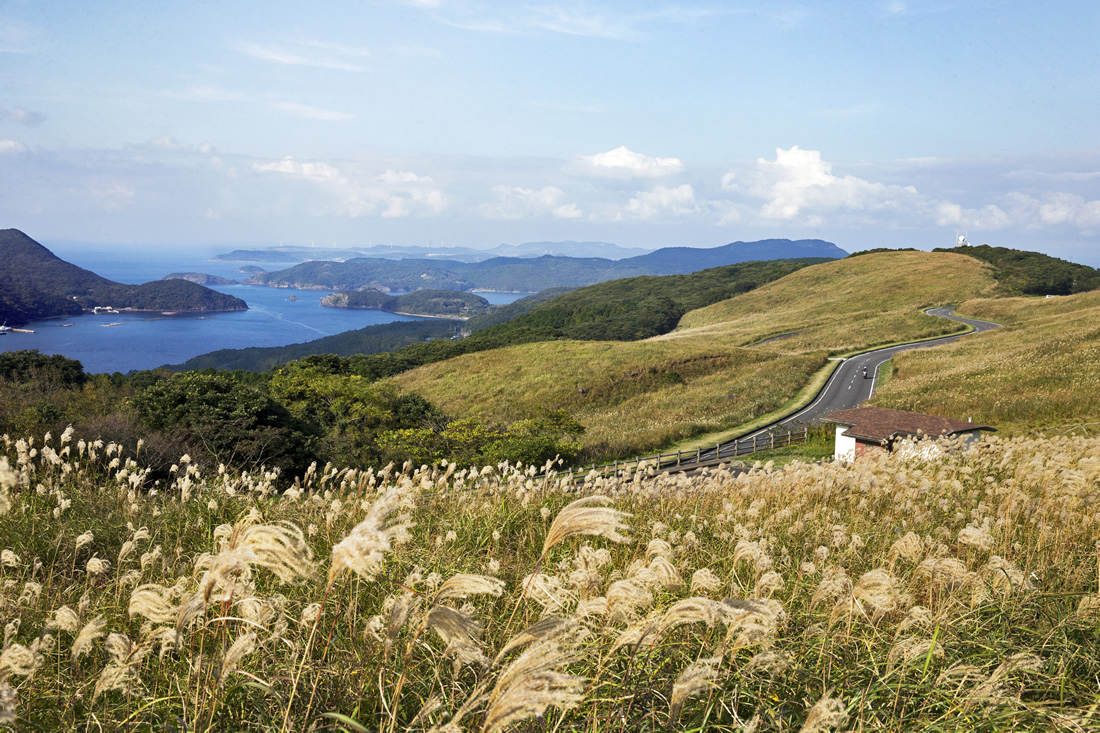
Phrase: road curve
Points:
(847, 387)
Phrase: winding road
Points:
(846, 388)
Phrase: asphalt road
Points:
(848, 387)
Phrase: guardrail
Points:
(720, 453)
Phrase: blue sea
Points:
(124, 342)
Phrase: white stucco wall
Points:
(845, 449)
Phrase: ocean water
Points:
(124, 342)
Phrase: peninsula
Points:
(35, 283)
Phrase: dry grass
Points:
(1041, 370)
(620, 391)
(951, 593)
(845, 305)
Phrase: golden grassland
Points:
(846, 305)
(620, 391)
(1041, 370)
(956, 593)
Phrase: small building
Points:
(865, 429)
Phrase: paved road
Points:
(847, 387)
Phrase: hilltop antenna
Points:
(960, 239)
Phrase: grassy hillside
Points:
(631, 397)
(1041, 370)
(847, 304)
(630, 404)
(945, 595)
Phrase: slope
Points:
(634, 397)
(1041, 370)
(846, 305)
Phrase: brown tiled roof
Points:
(880, 424)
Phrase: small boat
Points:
(5, 329)
(170, 313)
(65, 325)
(105, 325)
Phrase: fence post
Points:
(754, 444)
(677, 456)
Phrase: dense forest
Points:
(1032, 273)
(450, 303)
(312, 410)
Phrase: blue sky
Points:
(895, 123)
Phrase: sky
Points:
(882, 123)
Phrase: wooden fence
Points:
(710, 456)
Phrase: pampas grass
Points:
(937, 590)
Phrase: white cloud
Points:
(663, 202)
(312, 113)
(625, 163)
(11, 147)
(310, 171)
(22, 116)
(514, 203)
(560, 20)
(393, 177)
(800, 181)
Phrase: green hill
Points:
(1032, 273)
(35, 283)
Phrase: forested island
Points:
(35, 283)
(199, 278)
(433, 303)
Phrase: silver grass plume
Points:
(238, 650)
(587, 516)
(876, 591)
(698, 677)
(364, 549)
(704, 580)
(403, 606)
(550, 628)
(281, 549)
(754, 622)
(905, 651)
(460, 631)
(88, 634)
(690, 611)
(826, 714)
(531, 683)
(469, 584)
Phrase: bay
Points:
(124, 342)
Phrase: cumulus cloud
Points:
(663, 202)
(11, 147)
(513, 203)
(800, 181)
(312, 113)
(625, 163)
(22, 116)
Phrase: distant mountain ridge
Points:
(36, 283)
(520, 274)
(294, 253)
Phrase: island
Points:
(430, 303)
(35, 283)
(200, 278)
